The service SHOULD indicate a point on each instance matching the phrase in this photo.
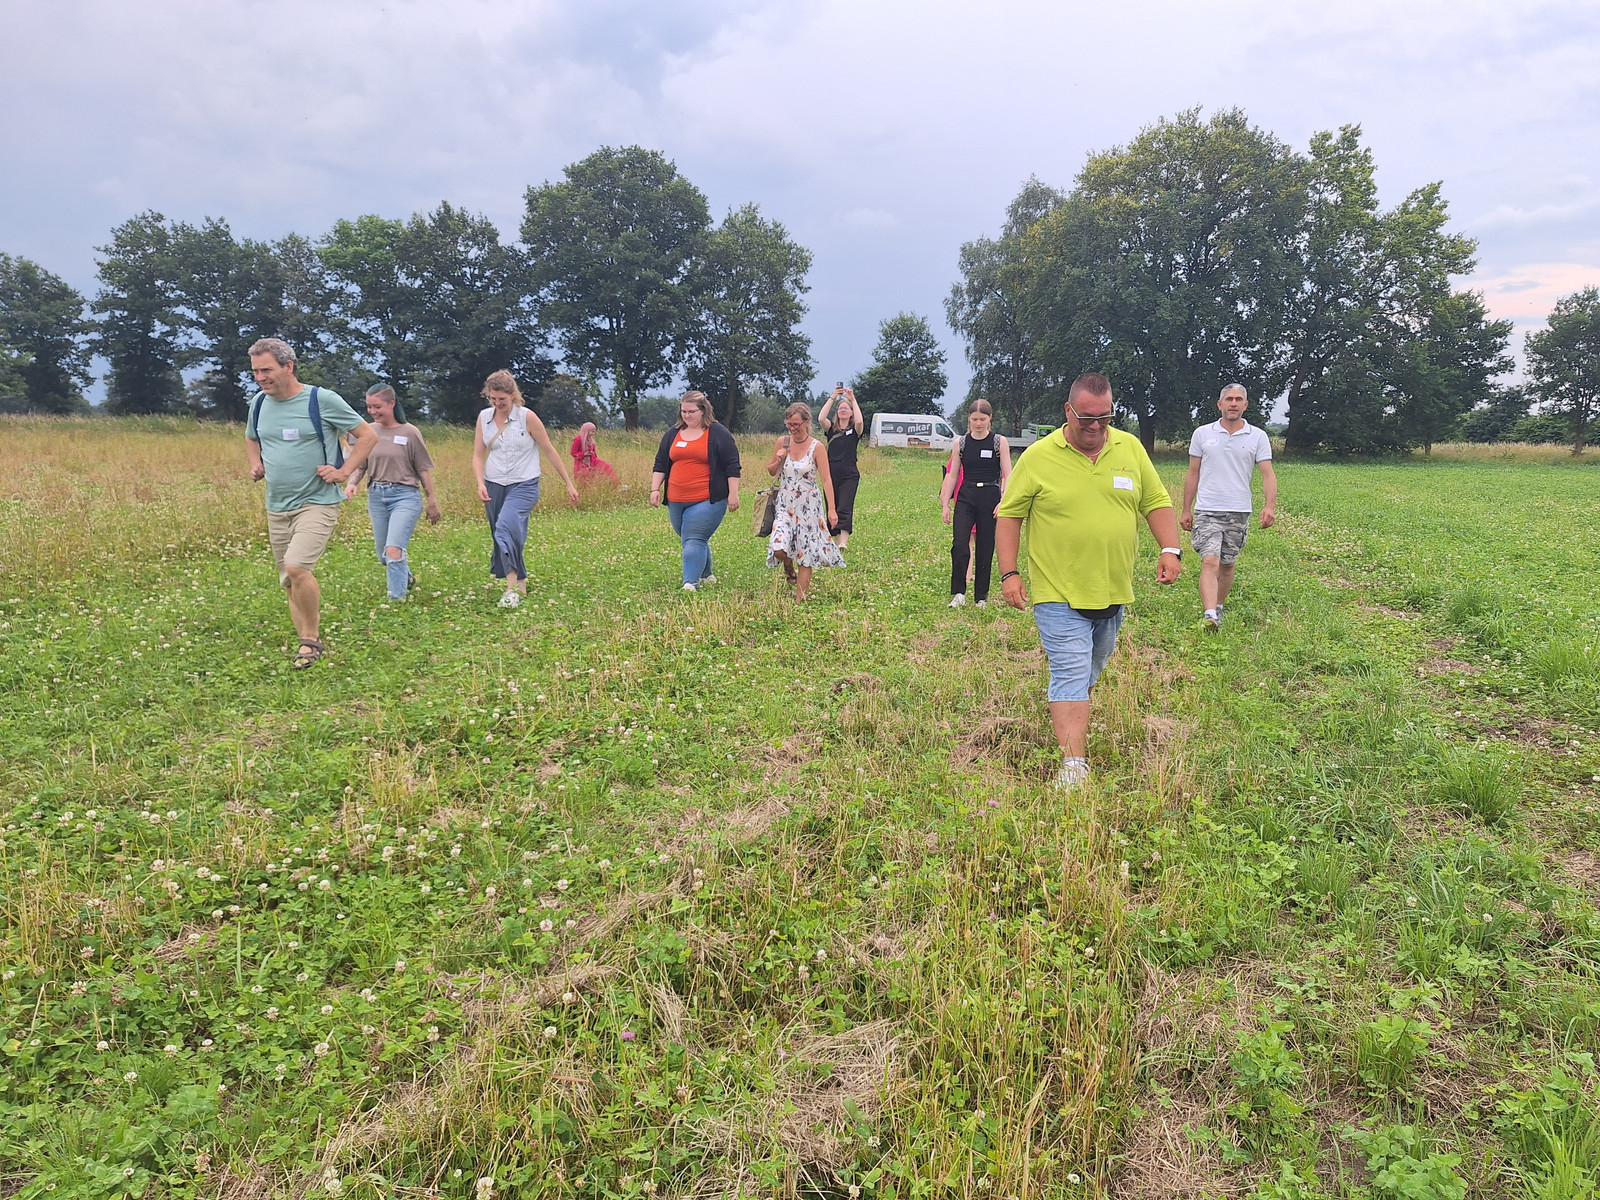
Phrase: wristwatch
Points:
(1175, 551)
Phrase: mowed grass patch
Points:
(628, 892)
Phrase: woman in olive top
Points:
(399, 471)
(506, 460)
(843, 432)
(982, 462)
(697, 471)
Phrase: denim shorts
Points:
(1077, 647)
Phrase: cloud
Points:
(1527, 293)
(882, 133)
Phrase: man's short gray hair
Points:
(1234, 387)
(277, 347)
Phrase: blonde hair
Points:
(981, 406)
(699, 400)
(503, 381)
(798, 408)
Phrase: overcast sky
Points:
(882, 134)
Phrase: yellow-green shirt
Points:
(1083, 517)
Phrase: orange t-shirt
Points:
(690, 479)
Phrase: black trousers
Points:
(974, 511)
(844, 503)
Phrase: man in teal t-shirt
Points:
(304, 488)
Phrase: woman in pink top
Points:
(586, 458)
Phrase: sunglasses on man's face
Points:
(1095, 420)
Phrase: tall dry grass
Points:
(82, 495)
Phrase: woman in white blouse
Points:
(506, 460)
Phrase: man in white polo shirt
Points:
(1216, 496)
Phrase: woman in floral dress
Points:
(805, 509)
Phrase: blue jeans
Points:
(1077, 647)
(395, 509)
(694, 521)
(508, 507)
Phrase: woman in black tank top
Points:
(980, 465)
(842, 426)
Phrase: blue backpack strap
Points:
(314, 411)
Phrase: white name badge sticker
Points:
(683, 445)
(1122, 483)
(400, 439)
(985, 453)
(291, 435)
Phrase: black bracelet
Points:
(1008, 575)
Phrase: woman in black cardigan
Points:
(697, 472)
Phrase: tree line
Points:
(619, 268)
(1208, 251)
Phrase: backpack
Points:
(314, 412)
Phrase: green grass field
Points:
(634, 893)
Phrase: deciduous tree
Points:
(472, 313)
(1564, 362)
(987, 308)
(141, 324)
(42, 325)
(611, 248)
(1167, 266)
(907, 371)
(747, 285)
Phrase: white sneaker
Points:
(1074, 774)
(511, 600)
(689, 587)
(981, 604)
(958, 600)
(705, 579)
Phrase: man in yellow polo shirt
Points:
(1082, 491)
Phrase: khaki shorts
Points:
(298, 538)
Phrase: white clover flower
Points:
(489, 893)
(605, 863)
(216, 914)
(433, 1033)
(327, 1010)
(368, 1030)
(563, 884)
(272, 1012)
(325, 885)
(400, 965)
(568, 997)
(170, 1049)
(804, 972)
(321, 1049)
(455, 851)
(102, 1045)
(547, 925)
(130, 1076)
(549, 1032)
(256, 989)
(426, 888)
(302, 977)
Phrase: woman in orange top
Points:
(697, 470)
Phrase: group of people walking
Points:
(1081, 490)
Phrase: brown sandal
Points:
(310, 651)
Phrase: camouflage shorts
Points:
(1220, 533)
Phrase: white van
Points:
(911, 429)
